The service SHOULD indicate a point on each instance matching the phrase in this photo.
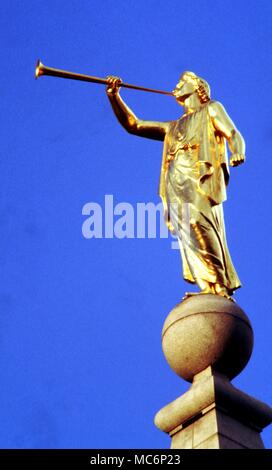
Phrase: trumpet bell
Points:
(39, 69)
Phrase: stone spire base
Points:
(208, 340)
(213, 414)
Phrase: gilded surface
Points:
(194, 176)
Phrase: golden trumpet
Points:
(44, 70)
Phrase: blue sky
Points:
(80, 320)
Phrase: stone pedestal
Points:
(208, 340)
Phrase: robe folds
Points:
(194, 176)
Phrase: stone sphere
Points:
(207, 330)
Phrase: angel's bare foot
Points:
(190, 294)
(226, 295)
(205, 287)
(215, 289)
(223, 291)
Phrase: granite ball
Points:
(207, 330)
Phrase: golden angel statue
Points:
(194, 176)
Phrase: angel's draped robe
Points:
(193, 181)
